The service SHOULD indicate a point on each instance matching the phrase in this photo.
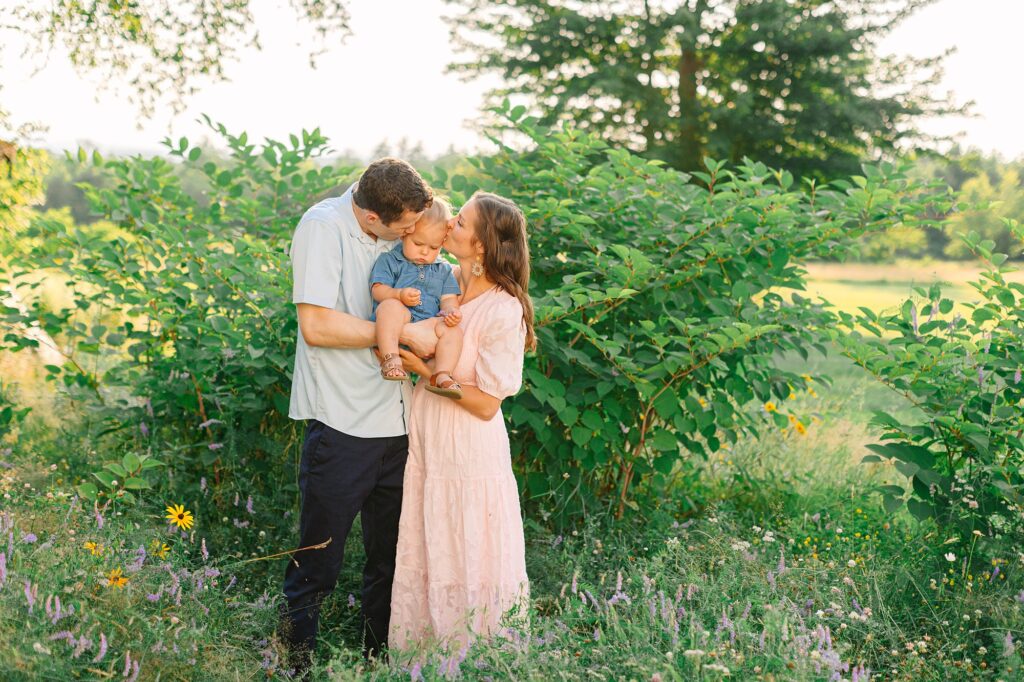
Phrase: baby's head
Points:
(422, 245)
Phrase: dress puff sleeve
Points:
(499, 364)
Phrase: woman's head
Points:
(491, 230)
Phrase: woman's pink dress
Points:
(461, 563)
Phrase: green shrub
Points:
(963, 459)
(660, 303)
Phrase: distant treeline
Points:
(991, 190)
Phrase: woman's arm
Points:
(479, 404)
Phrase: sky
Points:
(387, 82)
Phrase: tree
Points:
(990, 205)
(795, 84)
(164, 49)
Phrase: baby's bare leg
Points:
(391, 317)
(449, 347)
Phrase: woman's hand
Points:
(420, 336)
(414, 363)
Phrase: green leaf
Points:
(136, 483)
(105, 478)
(920, 510)
(220, 324)
(88, 490)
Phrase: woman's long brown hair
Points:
(501, 228)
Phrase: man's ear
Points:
(372, 217)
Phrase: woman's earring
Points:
(477, 269)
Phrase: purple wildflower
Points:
(143, 429)
(103, 649)
(1020, 597)
(156, 595)
(202, 484)
(913, 317)
(351, 600)
(140, 558)
(597, 634)
(215, 446)
(248, 505)
(63, 634)
(3, 568)
(995, 574)
(934, 309)
(135, 672)
(981, 377)
(127, 664)
(99, 519)
(1009, 648)
(202, 549)
(83, 644)
(31, 592)
(556, 542)
(1016, 376)
(28, 538)
(241, 524)
(416, 672)
(231, 583)
(781, 568)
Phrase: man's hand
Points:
(420, 337)
(409, 296)
(452, 317)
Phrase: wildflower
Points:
(178, 516)
(248, 505)
(202, 484)
(215, 446)
(718, 668)
(693, 653)
(770, 407)
(159, 549)
(116, 579)
(143, 429)
(950, 556)
(28, 538)
(792, 419)
(31, 591)
(202, 549)
(103, 649)
(93, 548)
(800, 428)
(3, 568)
(351, 600)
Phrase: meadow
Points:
(789, 570)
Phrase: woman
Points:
(460, 565)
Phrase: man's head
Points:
(392, 196)
(423, 244)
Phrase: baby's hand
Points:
(409, 296)
(453, 317)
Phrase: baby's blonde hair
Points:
(439, 212)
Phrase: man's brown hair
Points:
(389, 187)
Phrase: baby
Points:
(411, 283)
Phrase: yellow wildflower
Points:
(178, 516)
(800, 428)
(769, 406)
(93, 548)
(159, 549)
(115, 579)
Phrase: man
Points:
(355, 447)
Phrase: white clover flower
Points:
(950, 556)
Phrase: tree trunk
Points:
(690, 146)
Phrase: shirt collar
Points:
(354, 230)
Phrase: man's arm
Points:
(328, 328)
